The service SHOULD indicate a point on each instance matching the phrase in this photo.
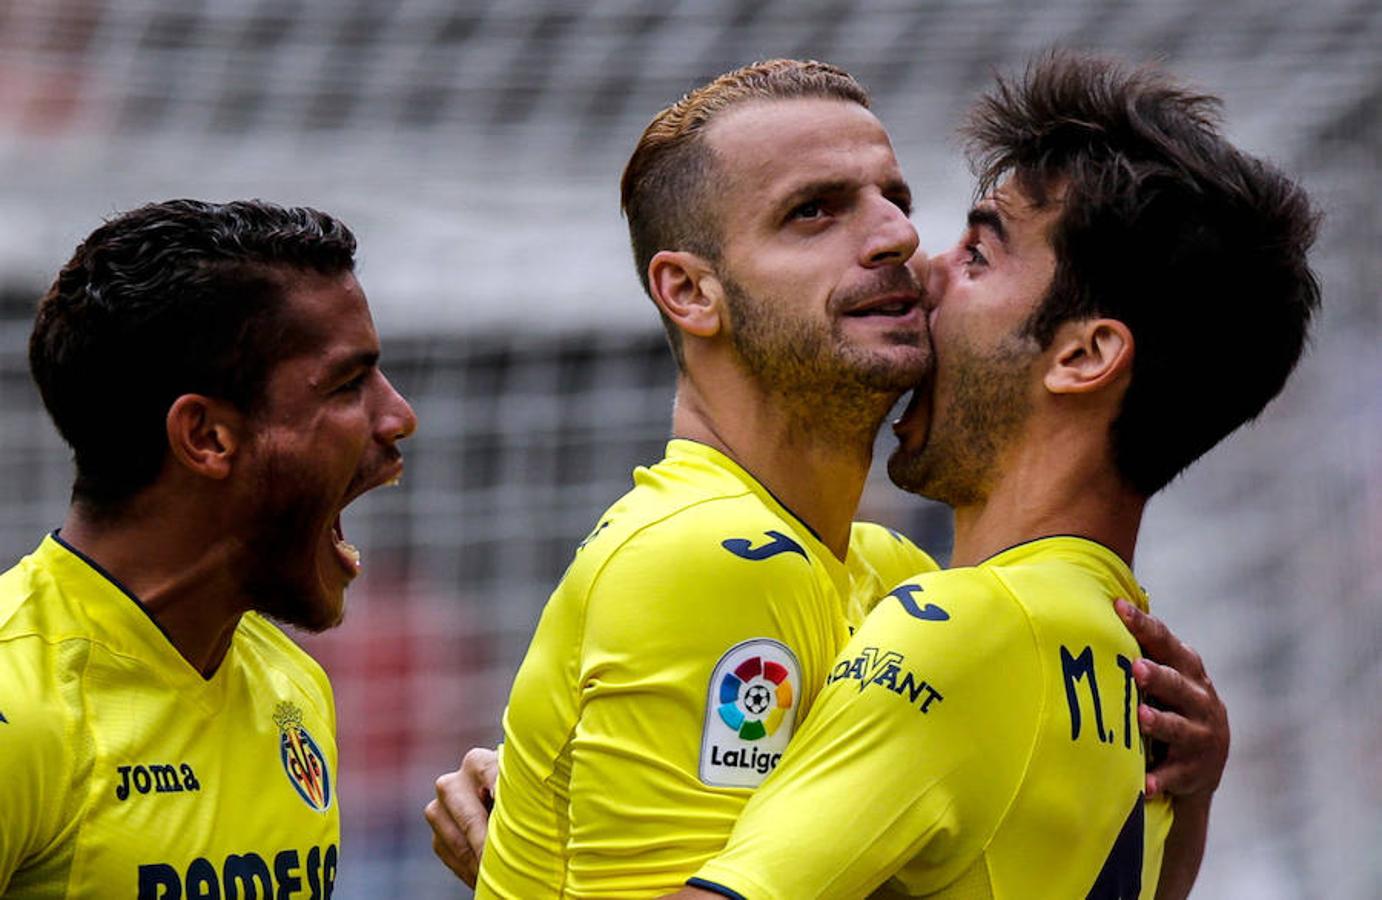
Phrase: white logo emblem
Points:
(749, 713)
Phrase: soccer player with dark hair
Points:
(215, 369)
(698, 621)
(1130, 289)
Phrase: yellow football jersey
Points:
(127, 774)
(692, 630)
(977, 739)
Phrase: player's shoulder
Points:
(37, 612)
(1066, 582)
(963, 586)
(19, 611)
(730, 527)
(42, 650)
(953, 636)
(1066, 557)
(721, 570)
(881, 541)
(888, 551)
(274, 651)
(963, 607)
(697, 536)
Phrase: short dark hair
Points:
(168, 299)
(668, 186)
(1167, 227)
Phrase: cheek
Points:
(799, 273)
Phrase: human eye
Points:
(354, 384)
(973, 255)
(808, 211)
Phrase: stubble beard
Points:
(281, 577)
(986, 408)
(829, 386)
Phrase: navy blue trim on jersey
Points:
(1045, 537)
(714, 888)
(96, 567)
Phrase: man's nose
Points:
(893, 239)
(399, 421)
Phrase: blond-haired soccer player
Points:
(699, 619)
(214, 368)
(1129, 290)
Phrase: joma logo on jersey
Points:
(161, 779)
(777, 543)
(303, 761)
(884, 669)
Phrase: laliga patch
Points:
(303, 761)
(750, 713)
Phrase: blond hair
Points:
(669, 185)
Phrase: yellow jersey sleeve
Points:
(671, 665)
(913, 752)
(883, 558)
(696, 657)
(37, 756)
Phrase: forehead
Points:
(320, 313)
(1028, 226)
(771, 146)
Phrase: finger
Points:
(481, 765)
(1176, 779)
(476, 829)
(448, 840)
(467, 808)
(1151, 633)
(1169, 688)
(464, 869)
(445, 832)
(1153, 636)
(1168, 727)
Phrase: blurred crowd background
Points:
(476, 148)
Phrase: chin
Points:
(303, 603)
(897, 372)
(320, 609)
(904, 469)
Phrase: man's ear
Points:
(1089, 355)
(686, 289)
(204, 434)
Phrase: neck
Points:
(1057, 485)
(815, 464)
(182, 575)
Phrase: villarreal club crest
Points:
(303, 761)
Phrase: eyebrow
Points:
(365, 359)
(804, 192)
(988, 217)
(835, 186)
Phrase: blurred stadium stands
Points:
(476, 148)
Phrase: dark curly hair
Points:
(1199, 248)
(171, 298)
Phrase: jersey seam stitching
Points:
(1038, 719)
